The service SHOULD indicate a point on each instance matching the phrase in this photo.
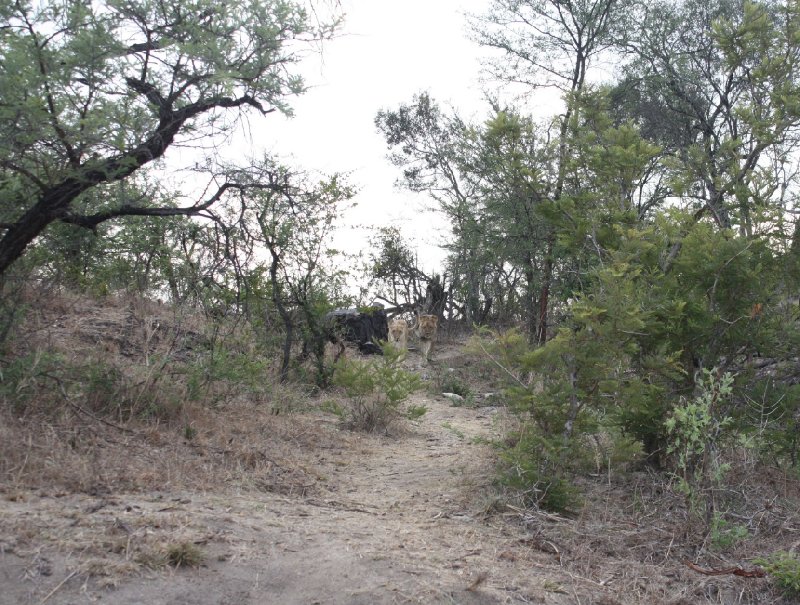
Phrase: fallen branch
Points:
(756, 572)
(60, 584)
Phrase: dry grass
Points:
(633, 539)
(76, 428)
(111, 489)
(246, 447)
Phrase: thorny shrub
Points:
(376, 390)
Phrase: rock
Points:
(454, 397)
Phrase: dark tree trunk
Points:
(544, 295)
(54, 203)
(284, 313)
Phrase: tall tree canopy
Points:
(716, 83)
(94, 91)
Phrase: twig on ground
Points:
(60, 584)
(756, 572)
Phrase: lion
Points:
(398, 336)
(426, 331)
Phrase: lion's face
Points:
(398, 330)
(427, 326)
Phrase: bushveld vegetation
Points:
(633, 262)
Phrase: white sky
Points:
(388, 50)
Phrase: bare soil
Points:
(292, 509)
(386, 519)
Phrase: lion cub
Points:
(398, 336)
(426, 331)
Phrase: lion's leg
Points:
(425, 346)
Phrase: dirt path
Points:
(400, 520)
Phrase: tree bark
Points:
(54, 202)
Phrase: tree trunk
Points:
(544, 295)
(284, 313)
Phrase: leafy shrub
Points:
(211, 377)
(451, 383)
(44, 382)
(784, 567)
(533, 465)
(375, 390)
(333, 407)
(724, 534)
(696, 429)
(25, 378)
(415, 412)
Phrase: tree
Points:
(95, 91)
(550, 43)
(394, 266)
(547, 42)
(429, 146)
(513, 161)
(717, 85)
(293, 224)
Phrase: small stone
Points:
(454, 397)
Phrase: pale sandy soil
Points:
(376, 519)
(400, 519)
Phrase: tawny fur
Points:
(426, 331)
(398, 336)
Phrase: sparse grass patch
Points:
(415, 412)
(333, 407)
(452, 429)
(184, 554)
(784, 568)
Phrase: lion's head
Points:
(398, 330)
(427, 326)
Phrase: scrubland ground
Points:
(268, 500)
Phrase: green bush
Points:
(45, 382)
(697, 430)
(724, 534)
(415, 412)
(215, 378)
(451, 383)
(24, 379)
(533, 465)
(784, 568)
(375, 390)
(771, 414)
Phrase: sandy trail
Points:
(400, 520)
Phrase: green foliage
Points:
(724, 534)
(213, 378)
(696, 424)
(697, 429)
(80, 112)
(533, 465)
(415, 412)
(42, 382)
(606, 451)
(12, 307)
(376, 390)
(23, 379)
(189, 432)
(784, 567)
(333, 407)
(451, 383)
(771, 416)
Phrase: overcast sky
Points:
(386, 52)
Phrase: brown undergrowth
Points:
(97, 488)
